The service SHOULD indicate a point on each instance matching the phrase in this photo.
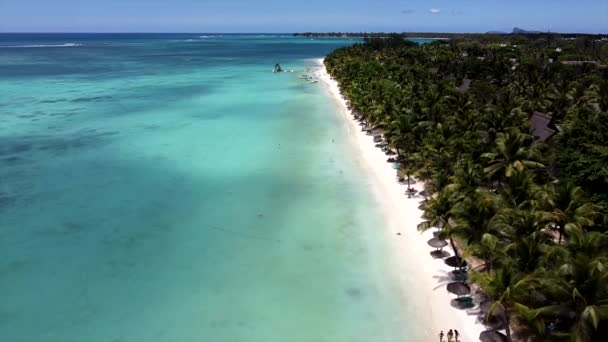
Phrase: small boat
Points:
(277, 68)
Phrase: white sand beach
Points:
(423, 279)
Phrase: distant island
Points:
(515, 31)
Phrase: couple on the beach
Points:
(451, 335)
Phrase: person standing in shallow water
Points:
(441, 336)
(456, 335)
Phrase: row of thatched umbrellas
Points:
(379, 139)
(460, 288)
(384, 145)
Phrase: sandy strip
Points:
(414, 266)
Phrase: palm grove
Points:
(533, 212)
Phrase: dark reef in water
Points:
(91, 99)
(12, 147)
(6, 200)
(354, 293)
(18, 156)
(11, 160)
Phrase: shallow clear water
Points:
(172, 188)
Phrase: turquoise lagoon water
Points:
(171, 188)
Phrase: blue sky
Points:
(303, 15)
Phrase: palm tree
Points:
(534, 320)
(525, 234)
(438, 162)
(514, 222)
(506, 287)
(433, 107)
(567, 205)
(401, 133)
(407, 170)
(436, 212)
(513, 153)
(498, 118)
(580, 283)
(529, 252)
(521, 191)
(560, 99)
(467, 177)
(598, 95)
(424, 170)
(472, 216)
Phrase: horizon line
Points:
(301, 32)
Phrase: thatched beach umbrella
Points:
(437, 243)
(492, 336)
(459, 275)
(410, 192)
(459, 288)
(455, 261)
(425, 193)
(374, 132)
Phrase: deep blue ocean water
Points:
(170, 187)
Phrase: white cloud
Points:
(435, 10)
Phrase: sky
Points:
(286, 16)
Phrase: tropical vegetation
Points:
(533, 211)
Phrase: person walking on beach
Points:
(450, 336)
(456, 334)
(441, 336)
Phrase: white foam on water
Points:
(43, 45)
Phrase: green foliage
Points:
(529, 210)
(583, 151)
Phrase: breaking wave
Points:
(43, 45)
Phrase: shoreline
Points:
(422, 279)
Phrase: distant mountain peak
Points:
(520, 30)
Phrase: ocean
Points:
(170, 187)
